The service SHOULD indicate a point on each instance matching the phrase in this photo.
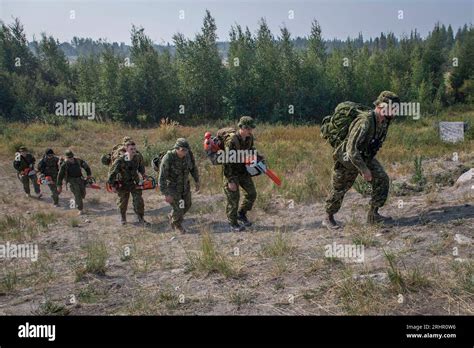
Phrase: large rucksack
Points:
(335, 127)
(217, 143)
(223, 134)
(110, 157)
(157, 161)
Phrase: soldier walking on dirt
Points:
(175, 167)
(124, 178)
(24, 164)
(356, 155)
(48, 166)
(235, 175)
(71, 170)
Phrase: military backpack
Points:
(335, 127)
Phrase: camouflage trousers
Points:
(343, 177)
(181, 204)
(25, 180)
(233, 197)
(137, 200)
(54, 193)
(78, 189)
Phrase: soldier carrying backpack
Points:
(70, 170)
(357, 133)
(48, 168)
(24, 164)
(175, 166)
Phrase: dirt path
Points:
(277, 267)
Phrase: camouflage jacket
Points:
(235, 142)
(119, 150)
(27, 161)
(49, 166)
(126, 171)
(72, 170)
(174, 173)
(363, 141)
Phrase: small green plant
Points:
(361, 296)
(49, 307)
(44, 219)
(464, 272)
(240, 298)
(210, 259)
(17, 228)
(278, 247)
(409, 280)
(362, 186)
(10, 221)
(9, 280)
(90, 294)
(418, 176)
(168, 129)
(394, 273)
(168, 298)
(366, 237)
(96, 261)
(74, 222)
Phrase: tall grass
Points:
(297, 154)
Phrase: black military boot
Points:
(178, 227)
(330, 222)
(373, 217)
(141, 220)
(236, 227)
(241, 216)
(123, 219)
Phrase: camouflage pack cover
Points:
(335, 127)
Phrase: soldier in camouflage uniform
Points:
(125, 171)
(356, 155)
(120, 149)
(24, 163)
(49, 166)
(71, 170)
(235, 175)
(175, 167)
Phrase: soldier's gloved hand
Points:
(232, 186)
(169, 199)
(367, 175)
(197, 187)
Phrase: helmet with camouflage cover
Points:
(69, 154)
(387, 96)
(181, 142)
(247, 122)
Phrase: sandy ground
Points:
(278, 266)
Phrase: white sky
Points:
(112, 19)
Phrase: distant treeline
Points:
(273, 78)
(87, 46)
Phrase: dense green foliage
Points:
(273, 78)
